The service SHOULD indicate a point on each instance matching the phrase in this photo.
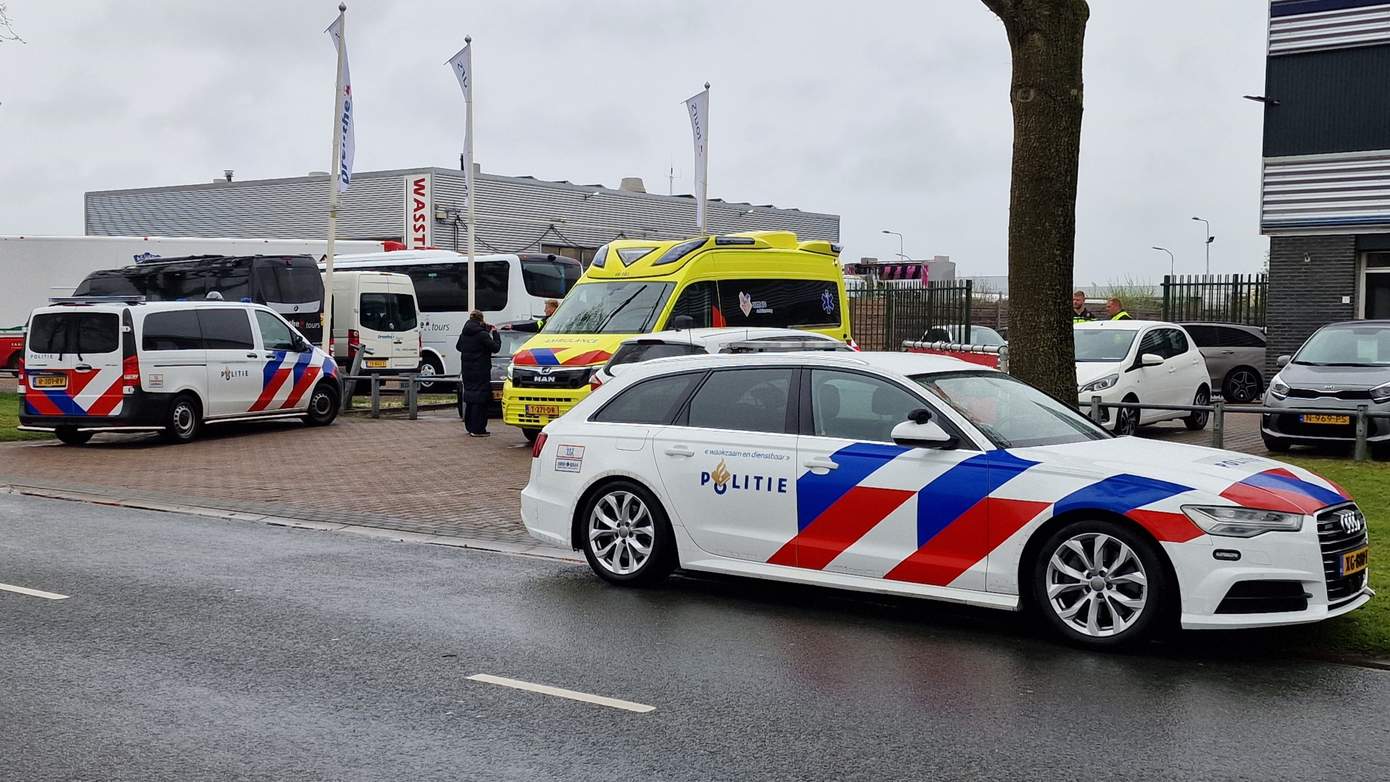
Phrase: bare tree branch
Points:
(7, 32)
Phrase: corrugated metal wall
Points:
(514, 213)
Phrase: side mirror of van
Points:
(682, 323)
(300, 344)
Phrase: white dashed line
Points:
(558, 692)
(33, 592)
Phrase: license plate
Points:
(49, 381)
(549, 411)
(375, 363)
(496, 395)
(1333, 420)
(1356, 561)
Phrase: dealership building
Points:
(1325, 201)
(427, 207)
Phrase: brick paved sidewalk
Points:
(423, 476)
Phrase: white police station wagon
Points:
(923, 475)
(107, 364)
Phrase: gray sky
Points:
(891, 114)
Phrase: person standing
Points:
(1079, 313)
(476, 346)
(534, 326)
(1116, 310)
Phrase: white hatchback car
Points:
(1142, 361)
(922, 475)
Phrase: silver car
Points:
(1341, 367)
(1235, 358)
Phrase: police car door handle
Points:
(679, 450)
(253, 355)
(821, 464)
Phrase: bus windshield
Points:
(610, 308)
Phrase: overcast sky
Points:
(892, 114)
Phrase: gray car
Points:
(1235, 358)
(1341, 367)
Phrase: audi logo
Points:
(1351, 521)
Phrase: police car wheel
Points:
(323, 406)
(626, 537)
(1100, 584)
(72, 436)
(184, 420)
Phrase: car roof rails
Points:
(116, 299)
(784, 346)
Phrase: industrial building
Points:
(427, 207)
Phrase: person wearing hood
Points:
(476, 346)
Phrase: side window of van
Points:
(275, 334)
(700, 301)
(780, 303)
(226, 329)
(176, 330)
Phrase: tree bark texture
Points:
(1046, 39)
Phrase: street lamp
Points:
(1210, 239)
(1171, 264)
(901, 254)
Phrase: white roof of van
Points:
(410, 257)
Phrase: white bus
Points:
(510, 288)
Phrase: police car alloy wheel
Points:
(323, 406)
(183, 422)
(626, 537)
(1100, 584)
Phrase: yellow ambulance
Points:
(633, 287)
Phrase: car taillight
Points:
(354, 341)
(19, 381)
(538, 446)
(595, 381)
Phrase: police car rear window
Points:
(75, 332)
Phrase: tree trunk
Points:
(1046, 38)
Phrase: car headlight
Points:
(1381, 393)
(510, 367)
(1100, 384)
(1278, 388)
(1235, 522)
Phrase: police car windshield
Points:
(1109, 345)
(1011, 413)
(610, 308)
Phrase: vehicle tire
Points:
(429, 365)
(530, 434)
(1275, 444)
(72, 437)
(1198, 421)
(184, 420)
(323, 405)
(626, 537)
(1242, 385)
(1101, 584)
(1126, 418)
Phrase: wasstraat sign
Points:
(418, 220)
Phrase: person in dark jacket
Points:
(476, 345)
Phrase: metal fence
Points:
(883, 318)
(1215, 298)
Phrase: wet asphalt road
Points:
(200, 649)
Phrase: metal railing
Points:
(1216, 298)
(1002, 351)
(1218, 409)
(410, 387)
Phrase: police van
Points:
(120, 364)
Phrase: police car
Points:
(922, 475)
(118, 364)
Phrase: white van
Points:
(510, 288)
(375, 311)
(115, 364)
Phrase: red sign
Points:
(418, 220)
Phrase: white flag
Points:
(346, 139)
(462, 66)
(698, 106)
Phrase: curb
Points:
(390, 535)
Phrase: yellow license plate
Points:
(49, 381)
(375, 363)
(496, 395)
(1356, 561)
(1335, 420)
(549, 411)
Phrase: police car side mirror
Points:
(919, 431)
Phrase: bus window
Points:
(550, 277)
(492, 278)
(440, 287)
(297, 281)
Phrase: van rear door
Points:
(406, 353)
(387, 323)
(73, 363)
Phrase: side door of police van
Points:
(172, 356)
(235, 368)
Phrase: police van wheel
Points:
(626, 537)
(1100, 584)
(531, 434)
(72, 436)
(184, 420)
(323, 406)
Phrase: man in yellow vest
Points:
(1116, 310)
(1079, 313)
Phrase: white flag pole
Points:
(334, 176)
(472, 185)
(704, 170)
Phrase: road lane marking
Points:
(33, 592)
(559, 692)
